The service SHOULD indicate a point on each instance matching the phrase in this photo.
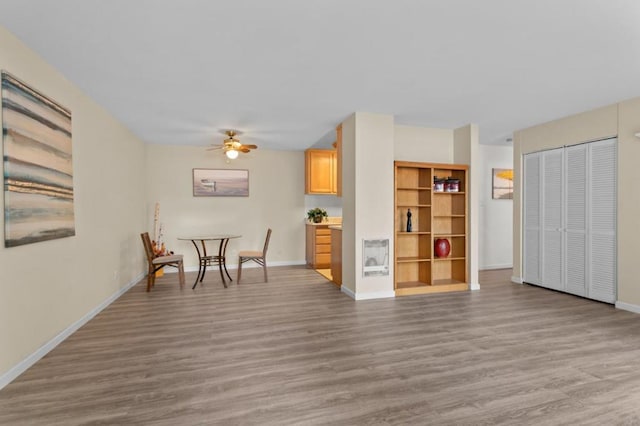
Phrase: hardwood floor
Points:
(297, 351)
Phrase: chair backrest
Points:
(148, 249)
(266, 243)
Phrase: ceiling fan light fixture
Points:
(231, 154)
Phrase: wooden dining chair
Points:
(157, 262)
(260, 257)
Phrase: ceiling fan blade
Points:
(250, 146)
(245, 150)
(213, 148)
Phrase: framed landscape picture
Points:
(502, 184)
(220, 183)
(38, 172)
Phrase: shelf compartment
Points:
(418, 273)
(449, 271)
(413, 197)
(420, 218)
(412, 177)
(447, 204)
(452, 173)
(449, 225)
(458, 246)
(414, 245)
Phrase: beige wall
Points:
(45, 287)
(423, 144)
(496, 216)
(349, 204)
(628, 201)
(276, 200)
(622, 120)
(466, 150)
(374, 196)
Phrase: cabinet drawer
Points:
(323, 239)
(323, 248)
(323, 231)
(323, 259)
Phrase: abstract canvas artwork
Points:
(220, 183)
(38, 175)
(502, 184)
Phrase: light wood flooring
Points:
(297, 351)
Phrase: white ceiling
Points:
(285, 72)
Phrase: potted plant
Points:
(317, 215)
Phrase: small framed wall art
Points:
(502, 184)
(220, 183)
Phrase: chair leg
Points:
(181, 274)
(151, 275)
(264, 266)
(239, 269)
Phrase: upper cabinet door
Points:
(320, 171)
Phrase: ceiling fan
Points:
(232, 146)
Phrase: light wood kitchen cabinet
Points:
(336, 254)
(318, 253)
(320, 171)
(339, 160)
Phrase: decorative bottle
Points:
(409, 225)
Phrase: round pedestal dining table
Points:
(205, 259)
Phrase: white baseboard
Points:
(23, 365)
(474, 286)
(517, 280)
(628, 307)
(348, 292)
(491, 267)
(368, 296)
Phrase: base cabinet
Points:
(318, 246)
(336, 255)
(425, 213)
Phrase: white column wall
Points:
(495, 249)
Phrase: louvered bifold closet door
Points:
(531, 267)
(576, 219)
(602, 171)
(552, 219)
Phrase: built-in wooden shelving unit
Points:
(435, 214)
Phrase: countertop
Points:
(336, 227)
(331, 221)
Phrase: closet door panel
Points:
(532, 205)
(576, 219)
(575, 268)
(602, 220)
(602, 274)
(552, 220)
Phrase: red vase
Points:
(442, 247)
